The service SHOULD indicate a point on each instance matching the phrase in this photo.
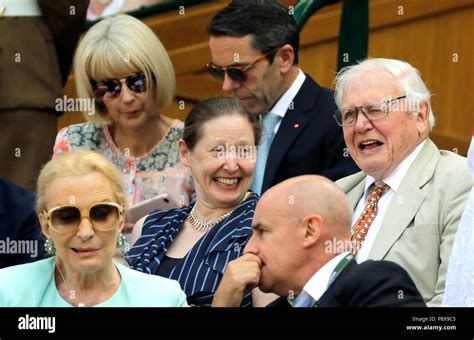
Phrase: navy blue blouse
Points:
(201, 270)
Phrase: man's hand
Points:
(241, 275)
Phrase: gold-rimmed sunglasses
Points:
(65, 219)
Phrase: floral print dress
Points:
(158, 171)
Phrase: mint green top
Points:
(33, 285)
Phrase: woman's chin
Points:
(131, 123)
(88, 264)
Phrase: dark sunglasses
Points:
(111, 88)
(66, 219)
(237, 73)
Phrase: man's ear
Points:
(44, 225)
(184, 153)
(313, 228)
(422, 117)
(286, 54)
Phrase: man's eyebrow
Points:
(256, 226)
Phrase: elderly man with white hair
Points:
(409, 196)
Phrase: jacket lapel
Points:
(291, 126)
(353, 186)
(407, 201)
(327, 298)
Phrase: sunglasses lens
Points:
(113, 88)
(236, 74)
(66, 219)
(104, 216)
(100, 91)
(136, 83)
(108, 89)
(216, 72)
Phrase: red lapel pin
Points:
(296, 125)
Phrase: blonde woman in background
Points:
(124, 69)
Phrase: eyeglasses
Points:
(372, 111)
(237, 73)
(111, 88)
(65, 219)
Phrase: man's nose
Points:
(362, 123)
(251, 247)
(229, 84)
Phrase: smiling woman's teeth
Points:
(227, 181)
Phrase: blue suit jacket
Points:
(309, 141)
(18, 221)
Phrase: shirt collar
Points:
(318, 284)
(284, 102)
(395, 178)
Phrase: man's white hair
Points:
(406, 76)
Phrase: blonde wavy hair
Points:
(119, 46)
(79, 163)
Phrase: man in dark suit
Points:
(21, 240)
(300, 250)
(254, 47)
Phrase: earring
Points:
(49, 247)
(121, 241)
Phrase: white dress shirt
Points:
(394, 179)
(318, 284)
(284, 102)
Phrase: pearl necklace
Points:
(72, 292)
(204, 226)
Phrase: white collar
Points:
(395, 178)
(284, 102)
(318, 284)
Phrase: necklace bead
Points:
(204, 226)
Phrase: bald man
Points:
(299, 250)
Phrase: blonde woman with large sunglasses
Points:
(123, 73)
(81, 205)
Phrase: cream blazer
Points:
(420, 224)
